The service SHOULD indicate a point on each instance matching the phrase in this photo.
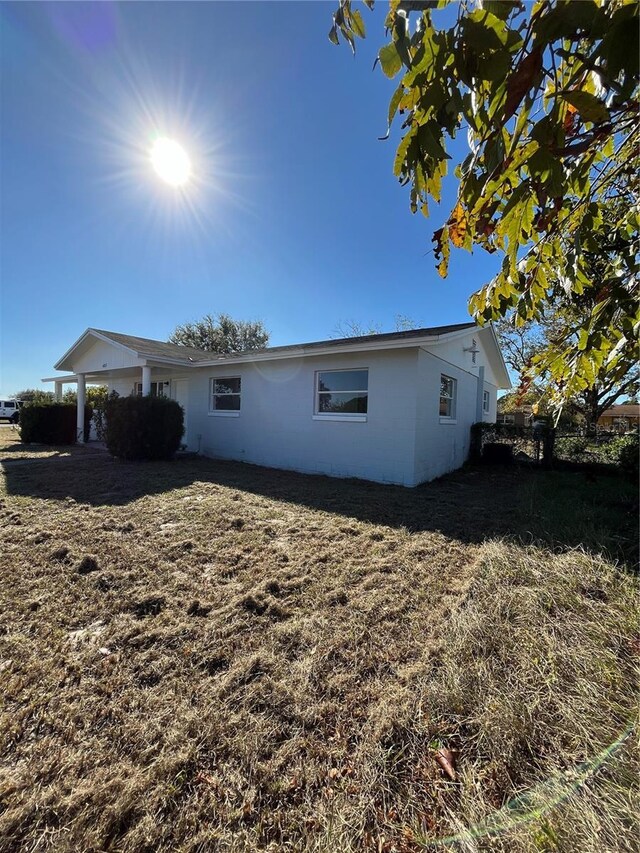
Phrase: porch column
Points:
(146, 381)
(480, 396)
(82, 396)
(58, 392)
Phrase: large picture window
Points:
(447, 397)
(225, 394)
(342, 392)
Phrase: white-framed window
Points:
(506, 419)
(225, 394)
(158, 389)
(342, 393)
(447, 397)
(486, 401)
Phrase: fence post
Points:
(549, 441)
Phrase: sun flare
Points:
(171, 162)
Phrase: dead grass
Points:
(205, 656)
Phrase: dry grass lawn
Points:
(208, 656)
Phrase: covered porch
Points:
(148, 379)
(125, 364)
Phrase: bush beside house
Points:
(143, 427)
(52, 423)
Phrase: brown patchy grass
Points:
(200, 655)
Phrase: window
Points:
(158, 389)
(342, 392)
(225, 394)
(447, 397)
(506, 419)
(485, 401)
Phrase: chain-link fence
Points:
(542, 444)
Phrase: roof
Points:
(629, 410)
(161, 351)
(433, 331)
(155, 349)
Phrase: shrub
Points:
(143, 427)
(628, 453)
(622, 450)
(573, 447)
(51, 423)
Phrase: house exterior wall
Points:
(104, 356)
(442, 445)
(276, 425)
(402, 440)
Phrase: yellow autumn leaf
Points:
(458, 226)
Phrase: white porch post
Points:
(146, 381)
(480, 396)
(58, 392)
(82, 396)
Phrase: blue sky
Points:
(293, 215)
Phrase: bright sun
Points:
(171, 161)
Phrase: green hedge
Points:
(52, 423)
(143, 427)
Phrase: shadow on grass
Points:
(558, 508)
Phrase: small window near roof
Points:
(447, 397)
(342, 392)
(485, 401)
(225, 394)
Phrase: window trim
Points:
(450, 418)
(224, 413)
(353, 417)
(486, 396)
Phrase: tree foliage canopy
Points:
(547, 93)
(221, 333)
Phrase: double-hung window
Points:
(447, 397)
(342, 393)
(485, 402)
(225, 395)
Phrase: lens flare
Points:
(171, 162)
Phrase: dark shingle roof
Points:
(385, 336)
(189, 355)
(156, 349)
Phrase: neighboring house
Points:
(622, 417)
(394, 408)
(522, 417)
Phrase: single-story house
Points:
(521, 417)
(393, 408)
(623, 417)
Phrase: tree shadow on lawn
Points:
(559, 508)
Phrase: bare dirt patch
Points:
(248, 659)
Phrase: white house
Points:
(394, 408)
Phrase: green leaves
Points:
(590, 108)
(390, 61)
(547, 93)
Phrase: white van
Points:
(10, 410)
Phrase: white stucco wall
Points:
(276, 426)
(403, 439)
(442, 445)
